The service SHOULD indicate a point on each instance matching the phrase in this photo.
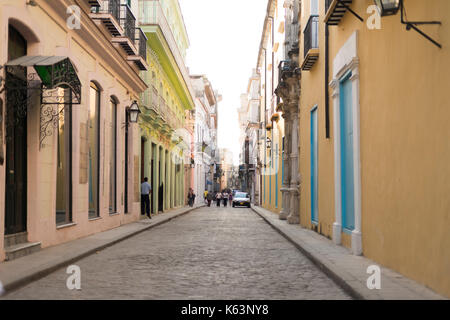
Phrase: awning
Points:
(54, 72)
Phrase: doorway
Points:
(314, 167)
(347, 165)
(16, 140)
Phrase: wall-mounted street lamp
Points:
(268, 143)
(387, 7)
(391, 7)
(133, 113)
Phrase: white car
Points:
(241, 199)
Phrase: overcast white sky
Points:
(225, 37)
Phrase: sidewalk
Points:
(346, 269)
(19, 272)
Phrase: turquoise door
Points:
(346, 132)
(314, 165)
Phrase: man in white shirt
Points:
(146, 190)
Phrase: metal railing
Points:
(108, 6)
(141, 42)
(311, 34)
(154, 95)
(127, 21)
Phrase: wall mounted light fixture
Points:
(391, 7)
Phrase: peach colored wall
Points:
(80, 46)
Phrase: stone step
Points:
(17, 238)
(22, 249)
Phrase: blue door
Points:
(314, 165)
(347, 165)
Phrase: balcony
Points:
(311, 46)
(127, 39)
(94, 3)
(153, 21)
(108, 13)
(335, 10)
(140, 59)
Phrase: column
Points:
(294, 190)
(163, 176)
(287, 172)
(173, 182)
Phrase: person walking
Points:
(218, 198)
(146, 190)
(191, 197)
(225, 198)
(209, 199)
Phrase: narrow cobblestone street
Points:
(211, 253)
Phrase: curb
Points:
(349, 289)
(39, 274)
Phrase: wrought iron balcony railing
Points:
(108, 12)
(108, 6)
(311, 34)
(127, 21)
(141, 42)
(311, 42)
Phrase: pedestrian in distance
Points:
(230, 198)
(191, 197)
(205, 196)
(218, 198)
(209, 199)
(146, 190)
(225, 198)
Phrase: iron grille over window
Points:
(311, 34)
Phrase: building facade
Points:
(205, 135)
(249, 123)
(266, 181)
(67, 140)
(374, 146)
(165, 141)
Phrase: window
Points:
(94, 146)
(113, 158)
(64, 164)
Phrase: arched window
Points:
(94, 150)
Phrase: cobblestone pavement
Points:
(211, 253)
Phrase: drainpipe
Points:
(327, 74)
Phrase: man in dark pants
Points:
(146, 190)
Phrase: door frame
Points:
(345, 61)
(314, 210)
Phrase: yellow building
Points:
(271, 53)
(374, 135)
(165, 142)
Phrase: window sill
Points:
(67, 225)
(95, 219)
(112, 214)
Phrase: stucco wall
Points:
(90, 66)
(405, 150)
